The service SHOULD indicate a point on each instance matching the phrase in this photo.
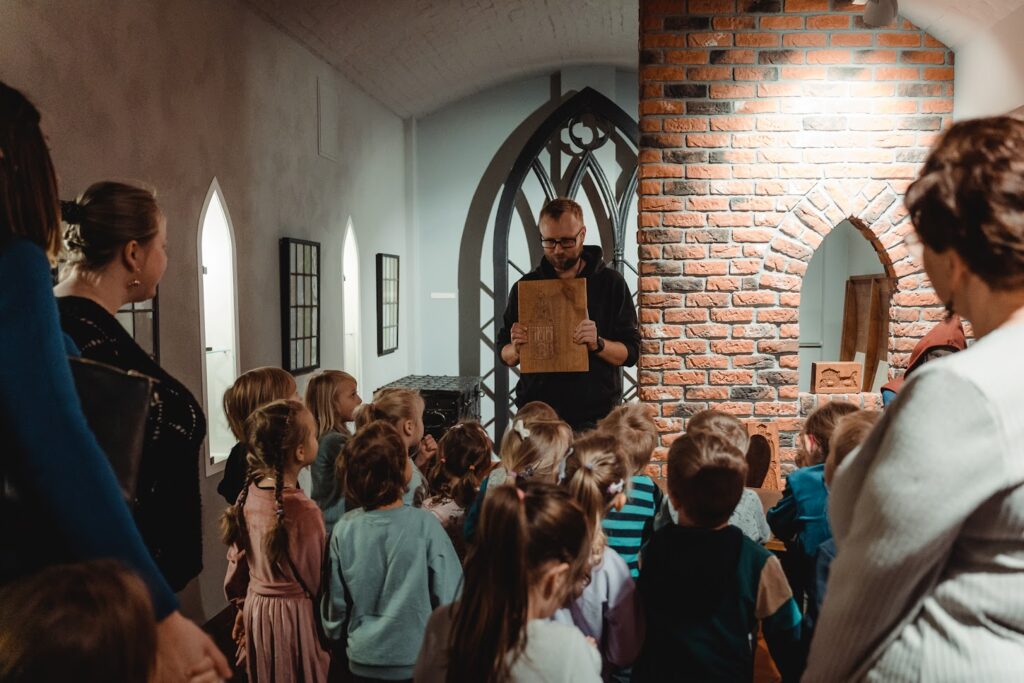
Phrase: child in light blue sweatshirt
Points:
(389, 565)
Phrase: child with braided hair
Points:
(463, 460)
(597, 476)
(275, 537)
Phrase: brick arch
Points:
(876, 209)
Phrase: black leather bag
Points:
(116, 406)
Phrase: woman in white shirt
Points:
(928, 516)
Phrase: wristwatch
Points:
(600, 345)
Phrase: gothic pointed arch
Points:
(563, 133)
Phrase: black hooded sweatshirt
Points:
(582, 398)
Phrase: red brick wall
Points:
(765, 123)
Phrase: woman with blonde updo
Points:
(116, 240)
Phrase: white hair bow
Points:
(519, 427)
(617, 488)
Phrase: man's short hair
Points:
(556, 207)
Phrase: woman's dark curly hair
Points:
(969, 197)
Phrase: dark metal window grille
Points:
(300, 305)
(141, 320)
(387, 304)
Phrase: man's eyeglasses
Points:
(550, 243)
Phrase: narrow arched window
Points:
(352, 347)
(218, 293)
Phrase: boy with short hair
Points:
(748, 515)
(704, 585)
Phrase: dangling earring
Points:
(949, 310)
(132, 284)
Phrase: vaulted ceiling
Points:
(955, 22)
(417, 55)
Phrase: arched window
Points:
(829, 303)
(352, 347)
(219, 310)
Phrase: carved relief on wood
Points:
(763, 456)
(550, 310)
(835, 378)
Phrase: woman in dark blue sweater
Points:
(48, 450)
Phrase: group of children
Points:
(562, 560)
(559, 561)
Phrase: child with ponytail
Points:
(403, 410)
(333, 398)
(275, 537)
(597, 477)
(630, 527)
(532, 448)
(251, 390)
(463, 460)
(389, 564)
(501, 631)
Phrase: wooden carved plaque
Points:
(764, 446)
(550, 310)
(835, 378)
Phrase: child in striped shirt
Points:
(628, 528)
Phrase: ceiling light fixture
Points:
(878, 13)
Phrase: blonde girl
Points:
(332, 397)
(403, 410)
(501, 630)
(463, 460)
(251, 390)
(275, 537)
(533, 448)
(597, 476)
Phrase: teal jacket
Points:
(800, 518)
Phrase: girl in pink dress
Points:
(276, 541)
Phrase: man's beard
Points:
(564, 263)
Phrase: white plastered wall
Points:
(176, 92)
